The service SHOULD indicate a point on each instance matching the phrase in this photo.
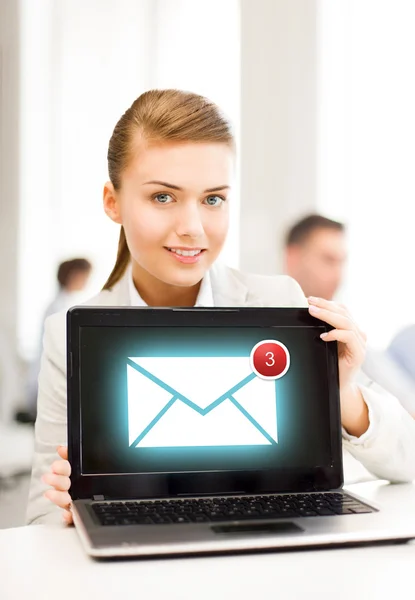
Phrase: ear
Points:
(112, 203)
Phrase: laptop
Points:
(208, 430)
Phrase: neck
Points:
(158, 293)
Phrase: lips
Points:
(187, 256)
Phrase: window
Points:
(367, 152)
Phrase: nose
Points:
(189, 222)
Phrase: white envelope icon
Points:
(199, 401)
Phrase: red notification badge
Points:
(270, 359)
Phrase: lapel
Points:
(229, 290)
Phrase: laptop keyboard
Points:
(203, 510)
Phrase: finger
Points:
(63, 452)
(61, 499)
(349, 338)
(59, 482)
(362, 337)
(61, 467)
(337, 320)
(328, 305)
(67, 517)
(339, 308)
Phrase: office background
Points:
(321, 93)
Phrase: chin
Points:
(182, 278)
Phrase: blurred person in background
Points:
(402, 350)
(72, 276)
(315, 256)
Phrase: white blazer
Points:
(387, 449)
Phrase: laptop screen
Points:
(185, 399)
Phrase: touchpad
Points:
(281, 527)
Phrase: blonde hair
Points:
(161, 116)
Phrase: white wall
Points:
(279, 125)
(367, 153)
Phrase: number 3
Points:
(271, 358)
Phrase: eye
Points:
(214, 200)
(163, 198)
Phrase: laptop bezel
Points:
(168, 485)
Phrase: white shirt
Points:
(204, 298)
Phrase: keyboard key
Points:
(325, 512)
(342, 510)
(307, 513)
(142, 521)
(198, 518)
(158, 520)
(180, 519)
(361, 509)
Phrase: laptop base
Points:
(236, 536)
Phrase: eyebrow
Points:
(176, 187)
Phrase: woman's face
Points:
(173, 205)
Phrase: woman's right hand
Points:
(58, 478)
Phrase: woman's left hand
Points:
(352, 348)
(352, 341)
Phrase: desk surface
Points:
(48, 563)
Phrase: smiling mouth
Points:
(190, 252)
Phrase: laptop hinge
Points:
(98, 497)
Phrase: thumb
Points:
(67, 517)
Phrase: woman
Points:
(171, 160)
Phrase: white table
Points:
(48, 563)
